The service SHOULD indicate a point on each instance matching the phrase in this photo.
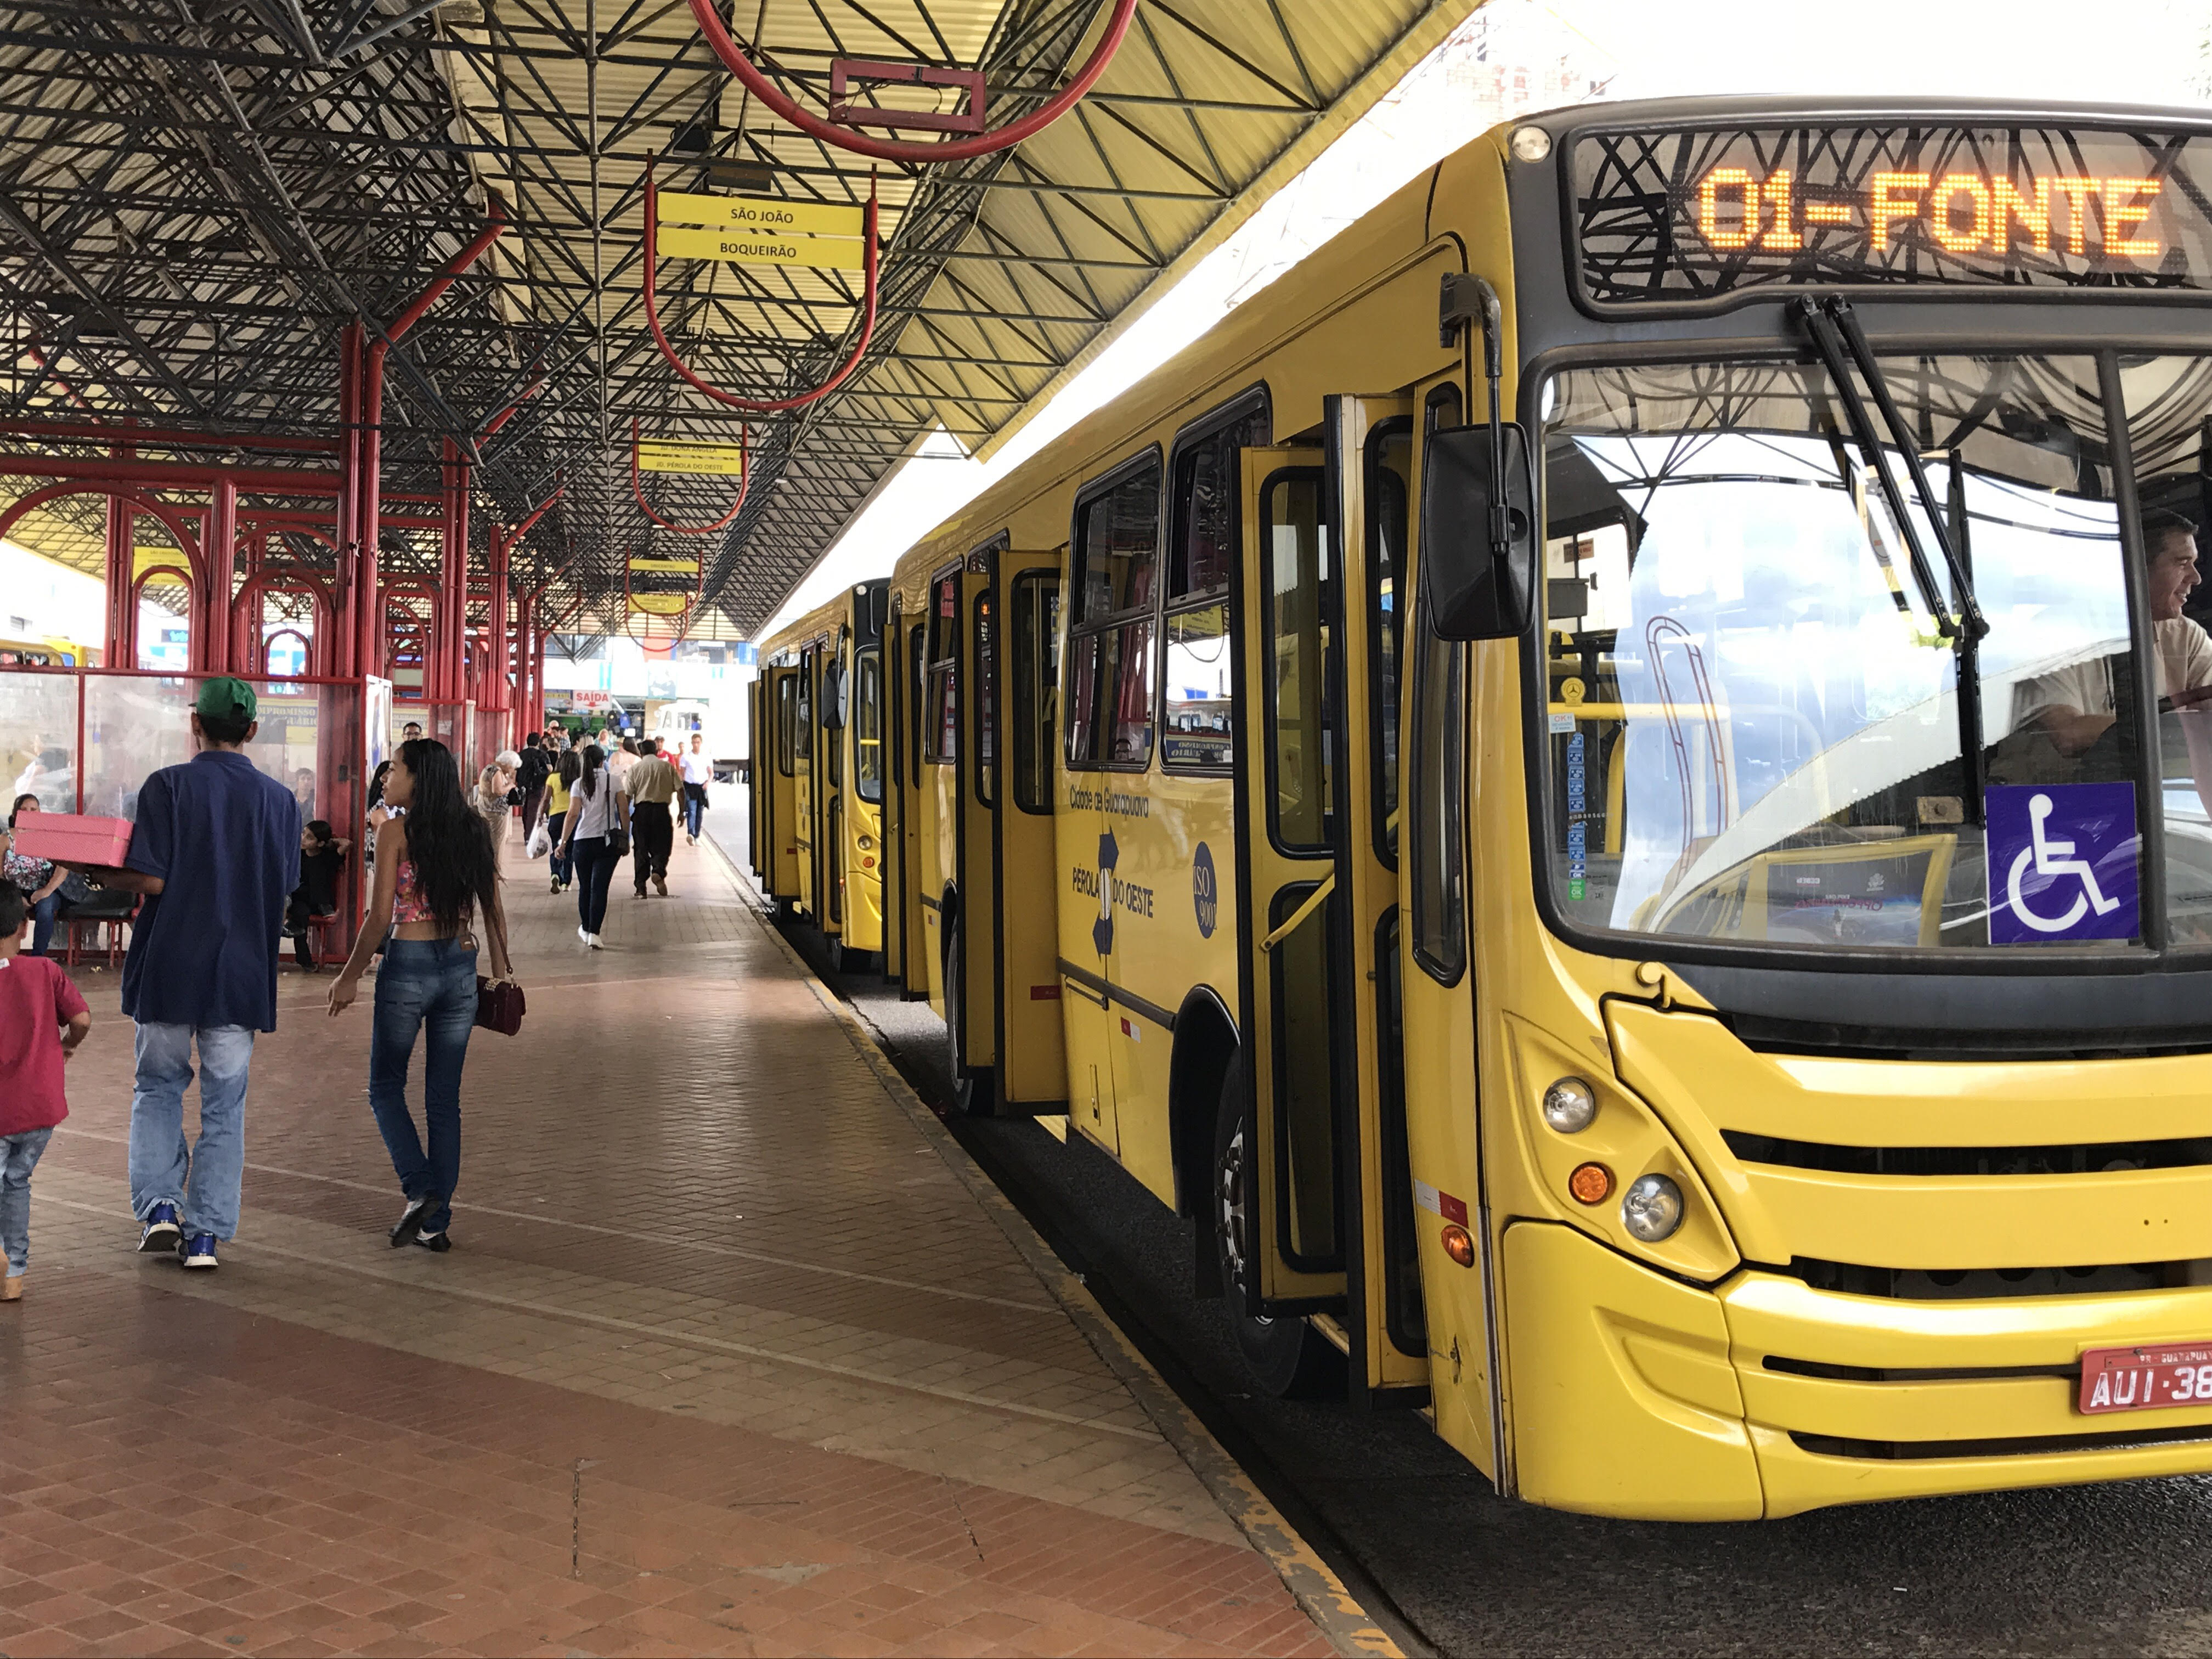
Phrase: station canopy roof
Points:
(198, 194)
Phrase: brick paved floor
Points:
(726, 1358)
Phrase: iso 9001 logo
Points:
(1205, 890)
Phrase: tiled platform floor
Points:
(726, 1358)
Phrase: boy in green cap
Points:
(216, 851)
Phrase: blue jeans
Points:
(42, 921)
(19, 1156)
(203, 1180)
(595, 873)
(426, 984)
(695, 808)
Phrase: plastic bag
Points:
(540, 843)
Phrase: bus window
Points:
(1037, 685)
(803, 727)
(1436, 894)
(1296, 576)
(943, 690)
(1204, 546)
(833, 737)
(868, 724)
(787, 722)
(1110, 669)
(915, 698)
(987, 703)
(1389, 474)
(1199, 710)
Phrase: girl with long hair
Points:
(594, 839)
(558, 785)
(438, 872)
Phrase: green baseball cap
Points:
(225, 699)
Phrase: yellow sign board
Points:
(720, 460)
(682, 567)
(750, 246)
(661, 605)
(777, 218)
(144, 559)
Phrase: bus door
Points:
(808, 675)
(1368, 444)
(971, 967)
(1021, 686)
(829, 847)
(755, 783)
(1293, 993)
(894, 773)
(917, 939)
(780, 831)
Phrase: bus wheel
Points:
(972, 1086)
(1285, 1355)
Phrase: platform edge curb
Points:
(1335, 1612)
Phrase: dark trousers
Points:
(594, 868)
(651, 835)
(532, 800)
(559, 866)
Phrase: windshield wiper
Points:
(1835, 334)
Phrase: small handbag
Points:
(499, 1005)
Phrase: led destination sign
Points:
(1699, 217)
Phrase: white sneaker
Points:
(582, 935)
(592, 939)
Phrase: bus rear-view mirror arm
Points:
(1478, 493)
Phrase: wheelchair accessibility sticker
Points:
(2061, 862)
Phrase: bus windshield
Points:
(1752, 729)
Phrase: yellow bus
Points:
(1610, 787)
(818, 787)
(47, 653)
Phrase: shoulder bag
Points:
(500, 1006)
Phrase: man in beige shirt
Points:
(651, 785)
(2075, 704)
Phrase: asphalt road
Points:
(2107, 1570)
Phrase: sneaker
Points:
(163, 1232)
(198, 1251)
(660, 885)
(555, 887)
(582, 935)
(592, 939)
(410, 1223)
(11, 1288)
(436, 1241)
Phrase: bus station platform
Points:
(735, 1352)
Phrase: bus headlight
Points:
(866, 843)
(1569, 1105)
(1651, 1208)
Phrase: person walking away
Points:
(42, 1020)
(322, 862)
(592, 841)
(698, 770)
(536, 764)
(558, 782)
(215, 853)
(621, 760)
(652, 785)
(438, 876)
(493, 797)
(41, 881)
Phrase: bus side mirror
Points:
(1473, 593)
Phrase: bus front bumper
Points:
(1632, 1394)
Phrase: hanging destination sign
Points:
(661, 605)
(1702, 219)
(678, 567)
(665, 455)
(760, 230)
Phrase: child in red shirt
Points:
(36, 1002)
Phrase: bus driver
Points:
(2074, 706)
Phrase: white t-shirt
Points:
(696, 769)
(2184, 657)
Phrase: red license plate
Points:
(2140, 1379)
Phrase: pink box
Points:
(71, 838)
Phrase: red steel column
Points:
(120, 648)
(338, 652)
(213, 583)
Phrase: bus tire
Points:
(972, 1086)
(1285, 1355)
